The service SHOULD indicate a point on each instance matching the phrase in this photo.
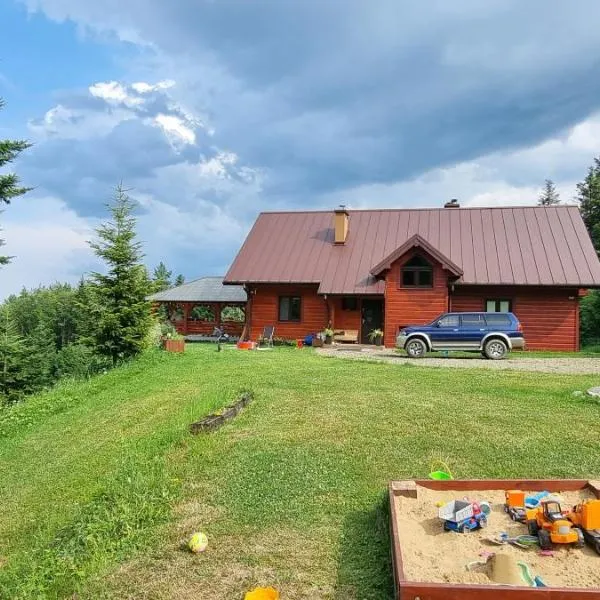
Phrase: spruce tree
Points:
(549, 195)
(179, 280)
(588, 196)
(120, 309)
(161, 279)
(9, 183)
(12, 353)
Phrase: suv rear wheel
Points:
(495, 349)
(416, 348)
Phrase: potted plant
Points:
(375, 336)
(328, 333)
(171, 340)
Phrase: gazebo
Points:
(197, 307)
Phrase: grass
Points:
(100, 483)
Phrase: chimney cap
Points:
(341, 209)
(452, 204)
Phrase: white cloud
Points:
(176, 129)
(79, 124)
(217, 166)
(141, 87)
(48, 241)
(114, 93)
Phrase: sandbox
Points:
(430, 563)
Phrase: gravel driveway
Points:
(569, 366)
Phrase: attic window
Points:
(417, 273)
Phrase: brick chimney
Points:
(340, 224)
(452, 204)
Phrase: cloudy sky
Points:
(213, 110)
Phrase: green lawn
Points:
(100, 483)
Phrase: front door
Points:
(371, 318)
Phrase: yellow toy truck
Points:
(552, 526)
(586, 516)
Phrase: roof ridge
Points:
(420, 208)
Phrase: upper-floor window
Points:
(417, 272)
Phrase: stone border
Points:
(216, 420)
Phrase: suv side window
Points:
(449, 321)
(498, 320)
(472, 320)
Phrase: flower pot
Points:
(328, 339)
(175, 345)
(378, 341)
(317, 343)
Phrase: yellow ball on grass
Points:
(198, 542)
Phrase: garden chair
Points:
(267, 335)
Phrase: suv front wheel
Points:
(416, 348)
(495, 349)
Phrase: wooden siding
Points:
(344, 319)
(265, 311)
(550, 316)
(406, 306)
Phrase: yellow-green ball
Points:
(198, 542)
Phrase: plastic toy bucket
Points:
(437, 473)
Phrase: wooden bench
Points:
(347, 336)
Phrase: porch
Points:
(197, 308)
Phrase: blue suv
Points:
(493, 334)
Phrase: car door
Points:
(472, 329)
(445, 332)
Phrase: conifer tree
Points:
(119, 307)
(9, 183)
(12, 353)
(179, 280)
(549, 195)
(588, 196)
(161, 279)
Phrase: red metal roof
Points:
(492, 246)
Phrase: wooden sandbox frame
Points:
(416, 590)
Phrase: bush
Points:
(590, 319)
(78, 360)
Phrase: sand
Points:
(430, 554)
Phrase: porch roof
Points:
(205, 289)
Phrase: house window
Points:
(417, 272)
(500, 306)
(349, 303)
(290, 308)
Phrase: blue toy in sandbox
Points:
(463, 516)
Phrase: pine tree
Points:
(588, 196)
(12, 352)
(119, 306)
(161, 279)
(549, 195)
(9, 182)
(179, 280)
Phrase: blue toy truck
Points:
(463, 516)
